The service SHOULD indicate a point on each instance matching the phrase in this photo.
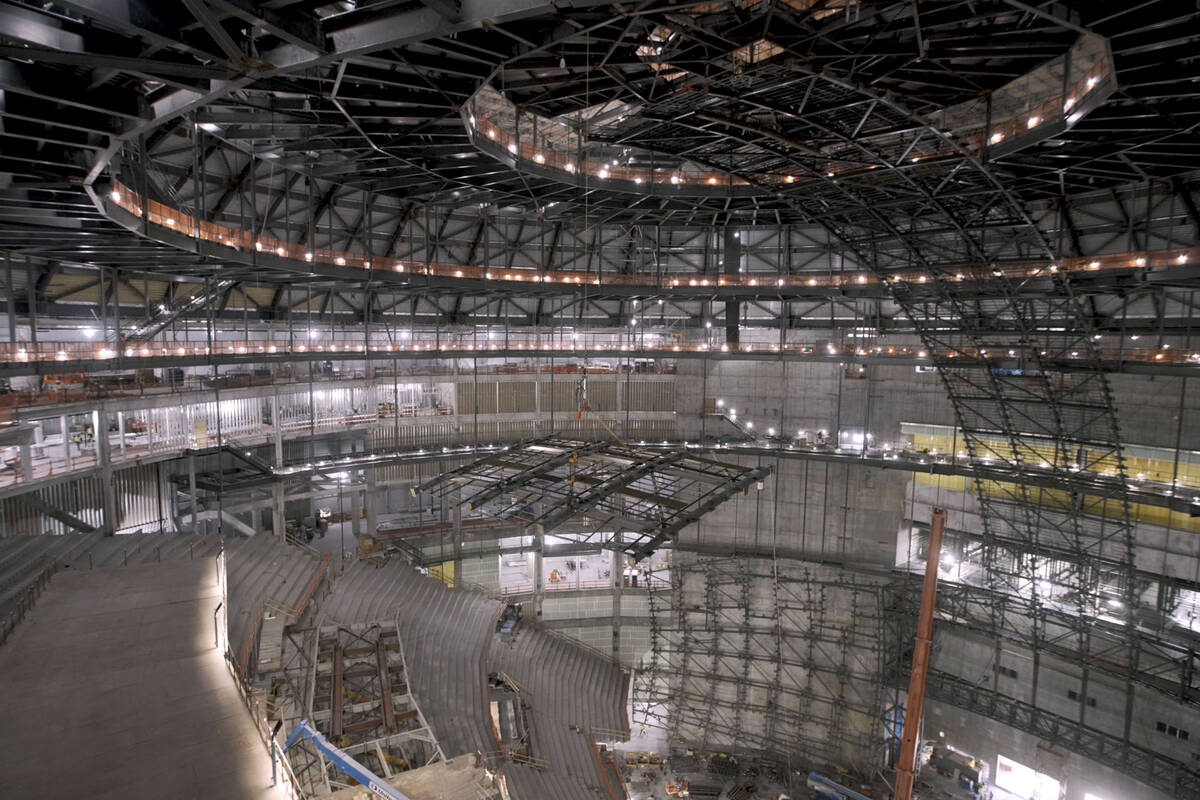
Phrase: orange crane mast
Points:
(905, 769)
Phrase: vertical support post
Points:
(104, 460)
(66, 440)
(385, 689)
(357, 511)
(539, 580)
(905, 770)
(121, 431)
(26, 462)
(458, 539)
(11, 299)
(278, 526)
(31, 299)
(732, 256)
(192, 489)
(371, 501)
(277, 429)
(336, 691)
(618, 582)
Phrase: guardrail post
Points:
(216, 630)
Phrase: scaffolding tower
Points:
(781, 659)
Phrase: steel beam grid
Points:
(1175, 778)
(361, 699)
(643, 495)
(772, 656)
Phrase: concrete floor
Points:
(588, 573)
(112, 688)
(456, 779)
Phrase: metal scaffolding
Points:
(781, 658)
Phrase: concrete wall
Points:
(808, 508)
(978, 659)
(986, 739)
(805, 396)
(1149, 410)
(811, 509)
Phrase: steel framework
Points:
(360, 699)
(623, 497)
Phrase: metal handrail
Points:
(600, 765)
(27, 599)
(609, 657)
(611, 734)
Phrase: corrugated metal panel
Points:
(137, 492)
(559, 396)
(470, 397)
(517, 397)
(82, 498)
(602, 395)
(649, 396)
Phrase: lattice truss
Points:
(1058, 558)
(776, 658)
(608, 493)
(361, 701)
(1035, 416)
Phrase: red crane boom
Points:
(905, 769)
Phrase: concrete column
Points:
(104, 459)
(192, 489)
(121, 430)
(66, 440)
(539, 588)
(256, 519)
(618, 582)
(372, 503)
(356, 516)
(277, 429)
(278, 524)
(26, 462)
(100, 432)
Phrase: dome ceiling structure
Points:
(910, 133)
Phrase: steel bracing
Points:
(353, 131)
(358, 695)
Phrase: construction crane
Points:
(344, 762)
(906, 768)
